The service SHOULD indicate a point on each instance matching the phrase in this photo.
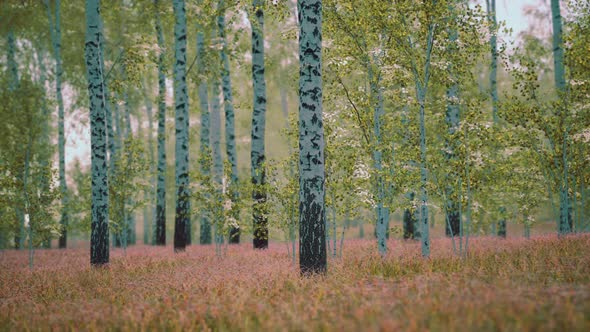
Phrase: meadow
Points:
(514, 284)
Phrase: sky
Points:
(509, 11)
(512, 12)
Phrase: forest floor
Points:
(541, 284)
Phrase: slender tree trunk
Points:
(218, 219)
(217, 160)
(28, 218)
(20, 235)
(119, 132)
(204, 149)
(11, 59)
(502, 224)
(391, 190)
(565, 226)
(424, 235)
(113, 143)
(312, 245)
(454, 219)
(182, 125)
(469, 200)
(574, 205)
(130, 234)
(491, 9)
(377, 101)
(583, 222)
(99, 241)
(149, 213)
(140, 135)
(291, 213)
(452, 207)
(334, 233)
(45, 154)
(558, 53)
(230, 136)
(452, 119)
(160, 232)
(409, 221)
(421, 91)
(257, 155)
(56, 40)
(409, 224)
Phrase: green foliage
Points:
(126, 185)
(538, 147)
(27, 184)
(549, 130)
(217, 201)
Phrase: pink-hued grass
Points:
(542, 284)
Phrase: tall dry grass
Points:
(542, 284)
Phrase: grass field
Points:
(542, 284)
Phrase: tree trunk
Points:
(217, 160)
(26, 174)
(119, 239)
(99, 241)
(113, 140)
(204, 149)
(409, 224)
(45, 155)
(565, 220)
(453, 224)
(182, 123)
(312, 245)
(130, 234)
(291, 213)
(502, 225)
(56, 39)
(452, 119)
(140, 136)
(491, 9)
(160, 231)
(12, 65)
(377, 102)
(421, 91)
(423, 180)
(230, 139)
(148, 215)
(257, 156)
(19, 237)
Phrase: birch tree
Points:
(452, 119)
(160, 230)
(182, 125)
(204, 147)
(312, 214)
(491, 11)
(257, 156)
(230, 136)
(149, 209)
(19, 238)
(55, 33)
(565, 218)
(99, 241)
(217, 215)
